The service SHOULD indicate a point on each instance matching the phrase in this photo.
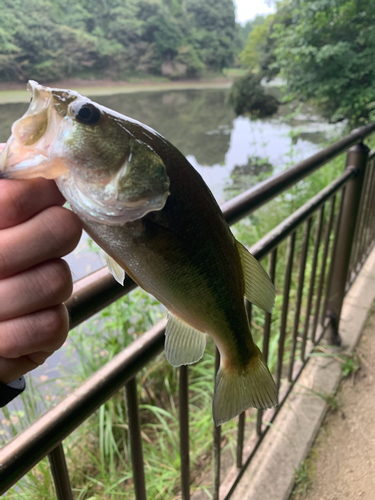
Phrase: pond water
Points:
(203, 126)
(228, 151)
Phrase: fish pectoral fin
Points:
(184, 344)
(259, 289)
(238, 390)
(115, 269)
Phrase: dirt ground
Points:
(341, 465)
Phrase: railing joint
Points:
(334, 337)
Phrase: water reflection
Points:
(203, 126)
(197, 122)
(244, 177)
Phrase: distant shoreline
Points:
(14, 92)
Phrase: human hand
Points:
(35, 232)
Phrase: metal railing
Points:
(333, 232)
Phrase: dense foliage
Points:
(247, 96)
(325, 51)
(50, 39)
(255, 48)
(243, 33)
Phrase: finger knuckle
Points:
(8, 255)
(8, 349)
(44, 330)
(56, 326)
(56, 280)
(64, 227)
(13, 205)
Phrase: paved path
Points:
(341, 465)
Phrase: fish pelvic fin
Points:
(238, 390)
(184, 345)
(115, 269)
(259, 289)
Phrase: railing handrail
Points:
(54, 426)
(99, 289)
(44, 434)
(266, 244)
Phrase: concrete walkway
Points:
(271, 475)
(341, 464)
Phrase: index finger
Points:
(22, 199)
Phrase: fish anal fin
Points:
(184, 344)
(115, 269)
(238, 390)
(259, 289)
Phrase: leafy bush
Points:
(247, 96)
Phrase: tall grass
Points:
(98, 452)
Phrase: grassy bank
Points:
(109, 87)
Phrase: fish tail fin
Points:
(238, 390)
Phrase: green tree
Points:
(256, 46)
(243, 32)
(212, 31)
(51, 39)
(35, 44)
(325, 50)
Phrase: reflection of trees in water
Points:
(9, 113)
(198, 122)
(246, 176)
(313, 137)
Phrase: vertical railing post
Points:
(348, 216)
(60, 473)
(216, 443)
(184, 431)
(131, 399)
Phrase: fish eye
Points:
(86, 113)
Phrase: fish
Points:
(146, 206)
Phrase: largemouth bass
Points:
(151, 212)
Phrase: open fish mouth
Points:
(109, 173)
(26, 152)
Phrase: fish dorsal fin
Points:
(259, 289)
(117, 271)
(184, 344)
